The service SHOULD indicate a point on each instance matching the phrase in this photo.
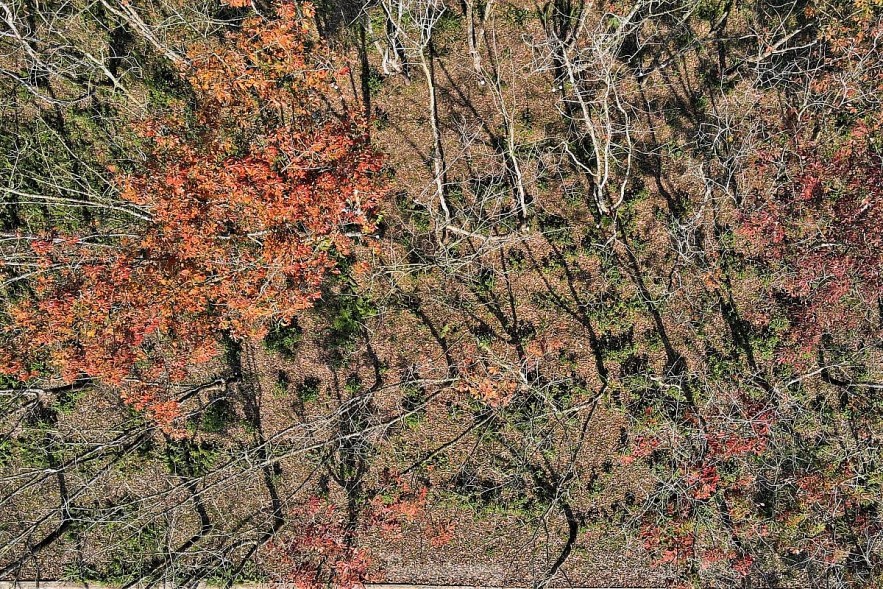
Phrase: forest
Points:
(503, 293)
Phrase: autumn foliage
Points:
(318, 552)
(750, 483)
(250, 190)
(824, 229)
(319, 548)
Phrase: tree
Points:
(249, 193)
(320, 552)
(818, 228)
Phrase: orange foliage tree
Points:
(250, 189)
